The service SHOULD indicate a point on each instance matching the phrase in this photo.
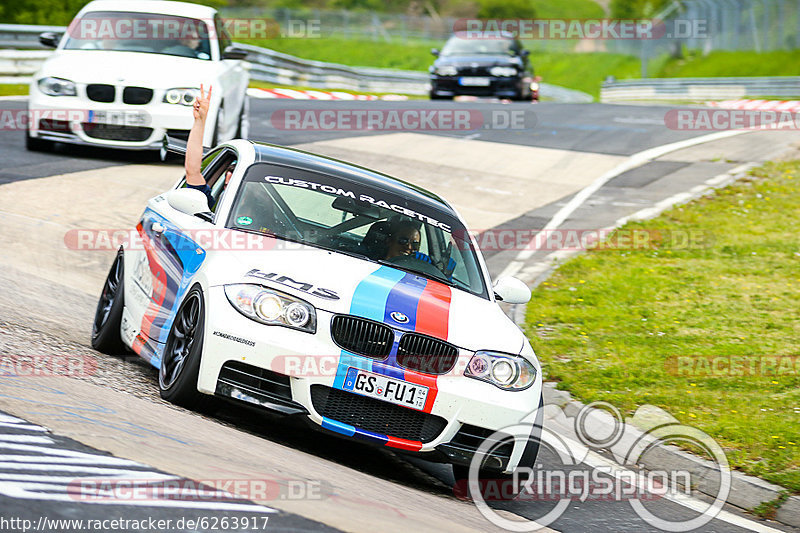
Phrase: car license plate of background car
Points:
(475, 82)
(118, 118)
(384, 388)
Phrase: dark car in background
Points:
(489, 65)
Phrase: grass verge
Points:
(611, 324)
(584, 71)
(13, 89)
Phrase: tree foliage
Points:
(54, 12)
(632, 9)
(506, 9)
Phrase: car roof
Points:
(281, 155)
(162, 7)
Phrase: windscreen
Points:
(457, 46)
(140, 32)
(370, 223)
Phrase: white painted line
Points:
(319, 95)
(30, 439)
(291, 93)
(534, 270)
(27, 427)
(633, 161)
(260, 93)
(595, 460)
(94, 459)
(14, 98)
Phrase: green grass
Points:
(581, 71)
(13, 89)
(779, 63)
(609, 324)
(574, 9)
(404, 56)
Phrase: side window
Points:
(218, 173)
(215, 168)
(207, 160)
(222, 35)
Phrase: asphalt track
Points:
(376, 487)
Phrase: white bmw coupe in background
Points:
(124, 73)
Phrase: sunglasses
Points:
(405, 241)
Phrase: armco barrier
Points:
(16, 66)
(698, 89)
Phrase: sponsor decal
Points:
(399, 317)
(233, 338)
(309, 288)
(244, 221)
(305, 184)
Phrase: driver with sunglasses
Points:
(404, 239)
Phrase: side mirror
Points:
(188, 201)
(231, 52)
(524, 53)
(511, 290)
(435, 51)
(50, 39)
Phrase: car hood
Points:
(477, 60)
(340, 283)
(156, 71)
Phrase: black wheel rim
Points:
(181, 341)
(109, 295)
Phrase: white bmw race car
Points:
(313, 287)
(124, 71)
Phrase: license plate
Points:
(118, 118)
(384, 388)
(475, 82)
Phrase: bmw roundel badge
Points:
(399, 317)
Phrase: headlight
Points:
(503, 71)
(272, 307)
(183, 96)
(446, 70)
(509, 372)
(57, 87)
(534, 86)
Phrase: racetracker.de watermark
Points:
(131, 490)
(730, 119)
(47, 365)
(65, 120)
(146, 27)
(733, 365)
(422, 119)
(491, 240)
(501, 240)
(571, 29)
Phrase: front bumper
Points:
(502, 87)
(293, 372)
(79, 120)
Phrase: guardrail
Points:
(699, 89)
(16, 66)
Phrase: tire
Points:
(215, 137)
(106, 336)
(180, 363)
(439, 97)
(243, 130)
(492, 483)
(32, 144)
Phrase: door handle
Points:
(157, 228)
